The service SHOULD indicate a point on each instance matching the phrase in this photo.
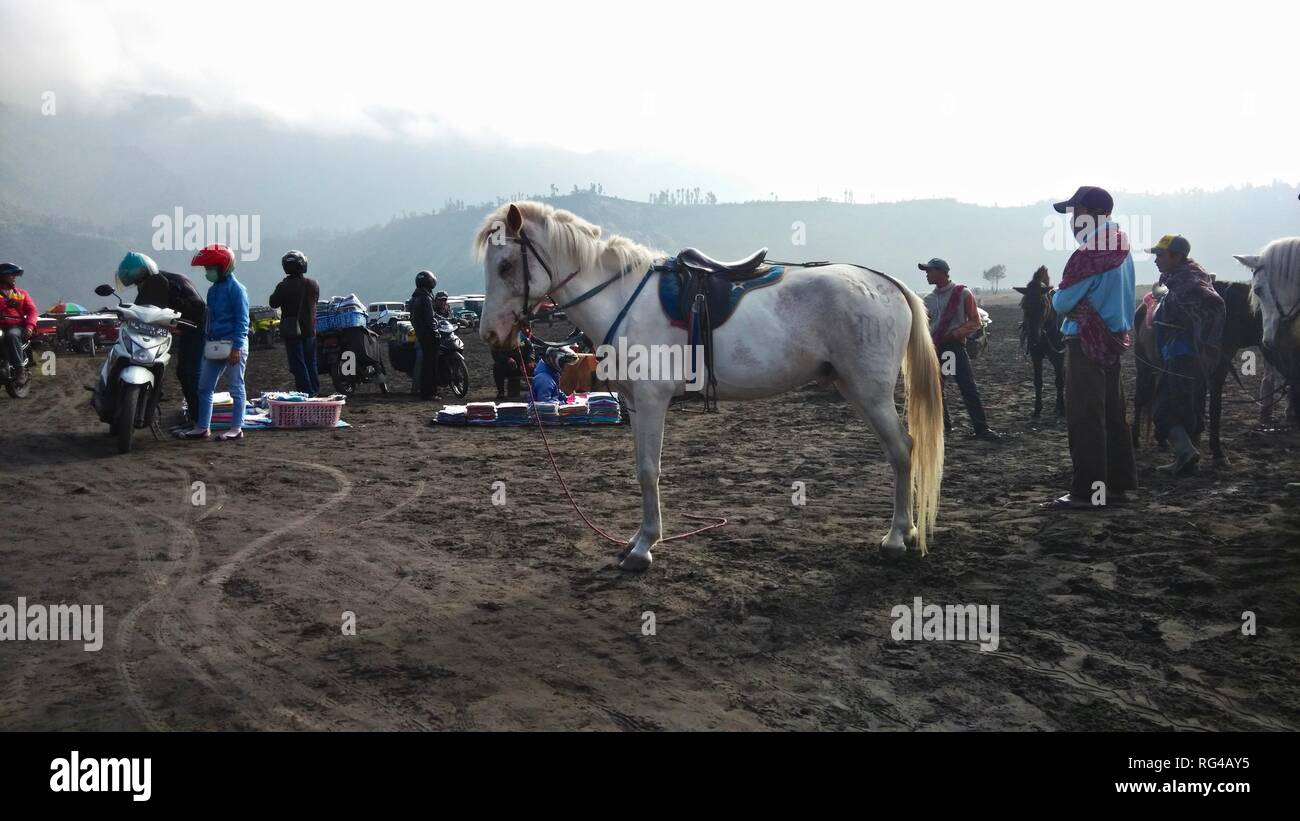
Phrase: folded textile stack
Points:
(512, 414)
(481, 413)
(548, 413)
(452, 415)
(574, 413)
(253, 420)
(227, 412)
(286, 396)
(603, 409)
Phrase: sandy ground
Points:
(470, 616)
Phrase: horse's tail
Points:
(924, 394)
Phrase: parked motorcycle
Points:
(452, 372)
(351, 357)
(17, 389)
(129, 387)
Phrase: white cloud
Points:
(1007, 102)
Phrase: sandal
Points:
(192, 434)
(1065, 503)
(231, 435)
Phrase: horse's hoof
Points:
(892, 553)
(636, 561)
(912, 539)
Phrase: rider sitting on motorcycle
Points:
(546, 376)
(163, 289)
(17, 319)
(424, 318)
(441, 308)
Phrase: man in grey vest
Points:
(953, 317)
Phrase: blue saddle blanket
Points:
(678, 288)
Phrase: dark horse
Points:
(1040, 337)
(1241, 329)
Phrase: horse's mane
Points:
(1281, 260)
(569, 234)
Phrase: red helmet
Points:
(215, 256)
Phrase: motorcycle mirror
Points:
(104, 290)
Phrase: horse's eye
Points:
(504, 267)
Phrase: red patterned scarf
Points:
(1105, 251)
(955, 298)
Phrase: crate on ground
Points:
(315, 413)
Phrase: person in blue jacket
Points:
(546, 376)
(227, 323)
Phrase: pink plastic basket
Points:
(322, 413)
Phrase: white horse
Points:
(836, 324)
(1275, 294)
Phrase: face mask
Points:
(212, 274)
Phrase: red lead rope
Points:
(717, 521)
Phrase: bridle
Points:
(529, 312)
(1285, 318)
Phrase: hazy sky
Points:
(1001, 102)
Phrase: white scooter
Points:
(126, 396)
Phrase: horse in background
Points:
(1040, 337)
(1147, 362)
(1275, 296)
(1242, 328)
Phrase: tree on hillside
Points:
(995, 275)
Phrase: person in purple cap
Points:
(1097, 299)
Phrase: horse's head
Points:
(1035, 303)
(1275, 294)
(527, 249)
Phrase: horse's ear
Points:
(1019, 290)
(514, 220)
(1251, 262)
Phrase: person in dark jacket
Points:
(1188, 326)
(163, 289)
(442, 307)
(296, 297)
(510, 366)
(424, 319)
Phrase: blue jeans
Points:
(970, 393)
(302, 364)
(13, 345)
(208, 376)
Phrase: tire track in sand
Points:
(216, 580)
